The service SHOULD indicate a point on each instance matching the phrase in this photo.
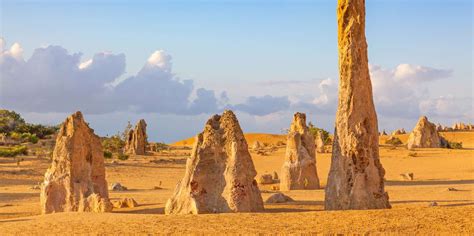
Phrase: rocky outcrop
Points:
(356, 176)
(257, 145)
(398, 132)
(299, 169)
(424, 135)
(76, 179)
(136, 139)
(279, 198)
(220, 173)
(319, 142)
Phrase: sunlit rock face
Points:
(220, 174)
(356, 175)
(76, 179)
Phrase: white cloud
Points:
(85, 64)
(160, 59)
(415, 73)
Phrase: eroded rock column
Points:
(220, 173)
(299, 169)
(356, 175)
(136, 139)
(76, 179)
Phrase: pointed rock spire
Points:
(356, 175)
(220, 174)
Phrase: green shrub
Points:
(393, 141)
(314, 131)
(13, 151)
(107, 154)
(9, 121)
(113, 144)
(455, 145)
(122, 157)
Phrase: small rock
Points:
(433, 204)
(408, 176)
(35, 187)
(453, 189)
(125, 203)
(118, 187)
(279, 198)
(265, 179)
(275, 175)
(157, 188)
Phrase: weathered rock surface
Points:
(319, 142)
(408, 176)
(125, 203)
(424, 135)
(220, 173)
(299, 169)
(356, 175)
(398, 132)
(136, 139)
(118, 187)
(279, 198)
(76, 179)
(257, 145)
(265, 179)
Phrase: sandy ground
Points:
(435, 171)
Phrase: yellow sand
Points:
(435, 171)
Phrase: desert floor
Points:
(435, 170)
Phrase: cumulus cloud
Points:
(398, 92)
(415, 73)
(54, 80)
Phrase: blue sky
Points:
(240, 46)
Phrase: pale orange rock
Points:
(299, 169)
(319, 142)
(356, 176)
(136, 139)
(220, 174)
(76, 179)
(398, 132)
(424, 135)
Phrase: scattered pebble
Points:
(279, 198)
(118, 187)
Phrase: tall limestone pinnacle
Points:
(220, 173)
(299, 169)
(356, 175)
(76, 179)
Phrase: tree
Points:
(9, 121)
(314, 131)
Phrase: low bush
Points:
(13, 151)
(455, 145)
(122, 157)
(107, 154)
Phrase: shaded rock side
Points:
(220, 174)
(356, 175)
(424, 135)
(76, 179)
(136, 139)
(299, 169)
